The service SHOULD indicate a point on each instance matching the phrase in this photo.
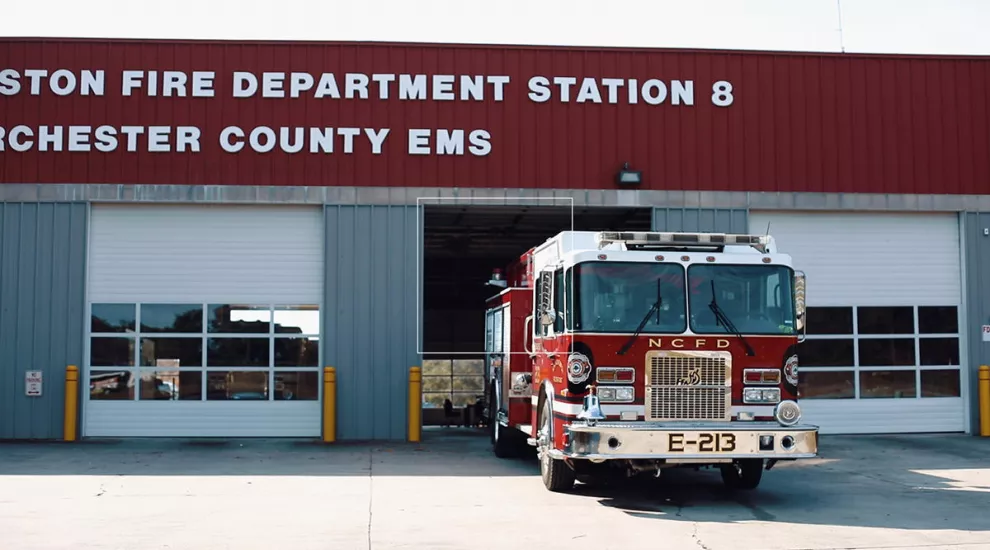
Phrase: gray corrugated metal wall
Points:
(712, 220)
(977, 302)
(370, 322)
(42, 280)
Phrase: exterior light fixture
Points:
(628, 177)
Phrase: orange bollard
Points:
(415, 404)
(984, 400)
(329, 405)
(71, 403)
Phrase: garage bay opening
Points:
(464, 245)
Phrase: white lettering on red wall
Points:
(328, 86)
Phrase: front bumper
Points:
(688, 441)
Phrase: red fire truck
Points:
(631, 352)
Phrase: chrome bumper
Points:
(688, 441)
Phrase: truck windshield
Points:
(615, 296)
(757, 299)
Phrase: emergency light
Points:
(605, 238)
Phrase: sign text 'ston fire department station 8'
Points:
(630, 352)
(299, 85)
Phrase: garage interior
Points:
(462, 245)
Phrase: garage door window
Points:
(880, 352)
(195, 352)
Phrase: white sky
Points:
(880, 26)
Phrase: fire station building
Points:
(201, 227)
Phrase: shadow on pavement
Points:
(900, 482)
(442, 452)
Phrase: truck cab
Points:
(631, 352)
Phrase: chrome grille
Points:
(688, 385)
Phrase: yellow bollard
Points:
(415, 403)
(329, 405)
(71, 403)
(985, 401)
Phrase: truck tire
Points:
(504, 444)
(557, 475)
(743, 474)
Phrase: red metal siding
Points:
(800, 122)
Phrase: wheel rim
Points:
(543, 443)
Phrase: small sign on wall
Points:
(986, 333)
(32, 383)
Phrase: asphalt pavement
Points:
(450, 492)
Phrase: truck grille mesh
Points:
(688, 388)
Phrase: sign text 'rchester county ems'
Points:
(167, 85)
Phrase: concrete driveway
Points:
(450, 492)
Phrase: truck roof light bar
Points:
(640, 238)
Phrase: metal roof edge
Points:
(494, 46)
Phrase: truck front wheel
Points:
(743, 474)
(557, 475)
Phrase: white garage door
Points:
(204, 321)
(884, 309)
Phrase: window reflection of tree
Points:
(238, 352)
(190, 321)
(112, 352)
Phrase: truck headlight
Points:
(616, 395)
(787, 413)
(761, 395)
(624, 394)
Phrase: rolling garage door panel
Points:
(875, 259)
(870, 258)
(205, 254)
(863, 416)
(204, 419)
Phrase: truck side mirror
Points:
(800, 309)
(547, 317)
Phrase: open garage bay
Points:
(462, 245)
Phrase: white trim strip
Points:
(353, 195)
(567, 408)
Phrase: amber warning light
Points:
(761, 376)
(617, 375)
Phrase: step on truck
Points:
(625, 353)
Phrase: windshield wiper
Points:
(654, 307)
(722, 319)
